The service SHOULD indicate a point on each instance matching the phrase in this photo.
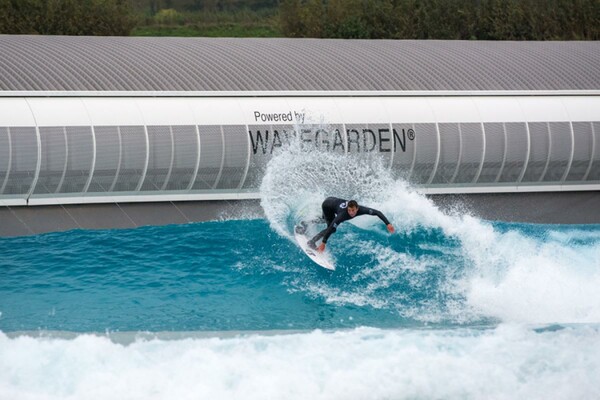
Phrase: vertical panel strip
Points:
(572, 155)
(198, 149)
(93, 166)
(504, 154)
(589, 168)
(9, 161)
(460, 151)
(222, 157)
(66, 164)
(483, 153)
(38, 165)
(549, 152)
(164, 186)
(248, 151)
(414, 158)
(437, 157)
(145, 170)
(118, 172)
(528, 152)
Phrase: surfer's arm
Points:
(372, 211)
(333, 226)
(324, 235)
(328, 232)
(321, 247)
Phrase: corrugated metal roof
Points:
(67, 63)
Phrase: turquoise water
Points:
(219, 276)
(450, 306)
(238, 275)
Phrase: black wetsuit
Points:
(335, 211)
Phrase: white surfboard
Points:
(322, 259)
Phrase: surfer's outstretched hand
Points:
(390, 228)
(321, 248)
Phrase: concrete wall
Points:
(548, 208)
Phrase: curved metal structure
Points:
(93, 120)
(78, 150)
(63, 63)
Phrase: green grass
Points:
(241, 23)
(221, 30)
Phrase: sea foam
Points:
(507, 362)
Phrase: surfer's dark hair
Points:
(352, 204)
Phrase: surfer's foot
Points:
(311, 244)
(301, 228)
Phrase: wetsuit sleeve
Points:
(333, 226)
(371, 211)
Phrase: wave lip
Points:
(439, 267)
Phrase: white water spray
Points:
(507, 275)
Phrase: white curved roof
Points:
(63, 63)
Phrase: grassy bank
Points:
(244, 23)
(230, 30)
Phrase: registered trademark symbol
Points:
(411, 134)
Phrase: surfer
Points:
(336, 211)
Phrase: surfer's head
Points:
(352, 208)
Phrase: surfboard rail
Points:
(321, 259)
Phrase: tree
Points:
(66, 17)
(313, 16)
(443, 19)
(289, 18)
(20, 16)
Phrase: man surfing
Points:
(336, 211)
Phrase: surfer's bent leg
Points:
(319, 220)
(328, 216)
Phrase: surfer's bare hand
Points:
(321, 248)
(390, 228)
